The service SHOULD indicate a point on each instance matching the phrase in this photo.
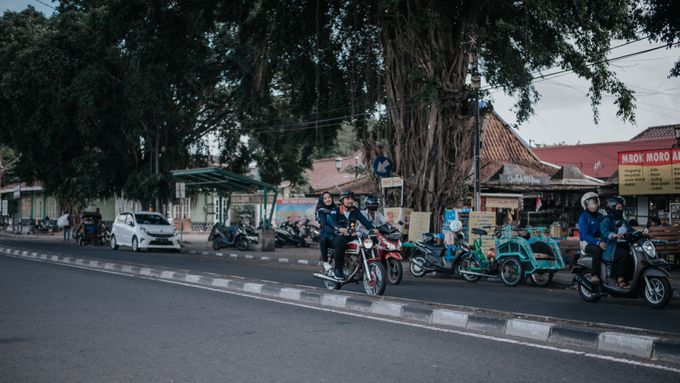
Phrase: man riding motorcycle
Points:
(589, 232)
(344, 220)
(372, 213)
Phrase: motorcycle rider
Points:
(613, 227)
(372, 213)
(589, 232)
(323, 208)
(343, 219)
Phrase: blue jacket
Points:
(337, 220)
(589, 228)
(322, 218)
(609, 229)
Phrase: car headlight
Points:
(143, 230)
(368, 243)
(649, 249)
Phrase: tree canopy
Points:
(107, 96)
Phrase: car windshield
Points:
(151, 219)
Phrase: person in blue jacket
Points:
(589, 232)
(343, 219)
(323, 207)
(613, 227)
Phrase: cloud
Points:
(564, 112)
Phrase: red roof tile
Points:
(325, 176)
(502, 145)
(654, 132)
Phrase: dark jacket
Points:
(589, 228)
(609, 230)
(337, 220)
(322, 211)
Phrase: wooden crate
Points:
(671, 250)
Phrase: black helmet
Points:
(613, 201)
(346, 194)
(372, 203)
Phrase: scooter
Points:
(288, 235)
(430, 257)
(228, 236)
(389, 251)
(362, 263)
(651, 280)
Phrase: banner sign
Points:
(396, 214)
(419, 223)
(483, 220)
(293, 209)
(649, 172)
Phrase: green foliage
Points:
(91, 97)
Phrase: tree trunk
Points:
(429, 130)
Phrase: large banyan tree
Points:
(410, 62)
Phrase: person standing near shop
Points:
(589, 232)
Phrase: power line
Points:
(45, 4)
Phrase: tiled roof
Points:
(656, 132)
(597, 160)
(325, 176)
(502, 145)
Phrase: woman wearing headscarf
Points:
(323, 207)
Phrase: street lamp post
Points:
(475, 85)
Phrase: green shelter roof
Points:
(220, 179)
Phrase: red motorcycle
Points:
(389, 252)
(362, 264)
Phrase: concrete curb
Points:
(550, 331)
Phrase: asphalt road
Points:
(60, 324)
(559, 303)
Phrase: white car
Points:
(143, 230)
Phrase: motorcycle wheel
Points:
(331, 285)
(585, 293)
(417, 271)
(511, 272)
(242, 243)
(468, 263)
(215, 245)
(541, 279)
(395, 271)
(657, 292)
(374, 279)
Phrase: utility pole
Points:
(475, 85)
(157, 160)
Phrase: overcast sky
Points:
(564, 112)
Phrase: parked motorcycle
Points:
(311, 230)
(429, 257)
(43, 226)
(362, 263)
(651, 280)
(389, 251)
(288, 235)
(229, 236)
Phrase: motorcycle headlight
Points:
(368, 243)
(649, 249)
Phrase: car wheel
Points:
(114, 243)
(135, 244)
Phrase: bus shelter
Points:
(224, 183)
